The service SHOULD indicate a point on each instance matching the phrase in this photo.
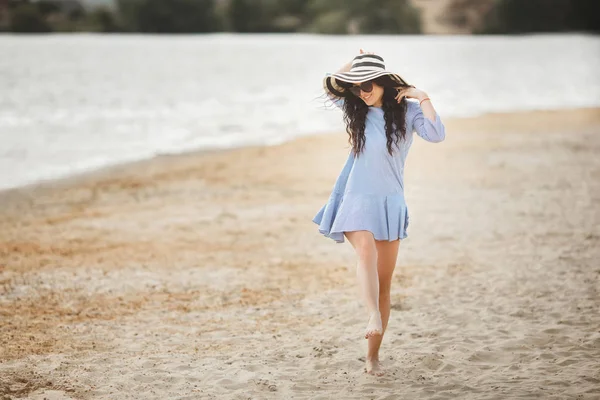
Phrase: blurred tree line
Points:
(317, 16)
(523, 16)
(519, 16)
(201, 16)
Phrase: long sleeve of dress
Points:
(431, 131)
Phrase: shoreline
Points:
(105, 171)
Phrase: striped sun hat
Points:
(364, 68)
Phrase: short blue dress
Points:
(369, 192)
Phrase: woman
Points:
(367, 203)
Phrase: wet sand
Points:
(202, 276)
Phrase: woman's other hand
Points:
(410, 92)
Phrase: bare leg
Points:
(387, 254)
(368, 280)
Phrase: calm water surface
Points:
(69, 103)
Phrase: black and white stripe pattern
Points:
(367, 62)
(364, 68)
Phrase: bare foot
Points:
(373, 367)
(374, 327)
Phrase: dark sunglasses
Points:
(366, 87)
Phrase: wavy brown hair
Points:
(355, 114)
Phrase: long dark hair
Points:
(355, 114)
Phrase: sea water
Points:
(71, 103)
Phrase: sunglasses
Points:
(366, 87)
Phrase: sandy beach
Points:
(202, 276)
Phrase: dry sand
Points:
(202, 276)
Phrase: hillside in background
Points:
(98, 3)
(437, 16)
(338, 17)
(452, 16)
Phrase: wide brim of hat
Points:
(330, 85)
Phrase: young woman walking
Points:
(367, 203)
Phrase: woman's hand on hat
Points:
(365, 52)
(410, 92)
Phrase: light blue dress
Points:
(369, 192)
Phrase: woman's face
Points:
(372, 98)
